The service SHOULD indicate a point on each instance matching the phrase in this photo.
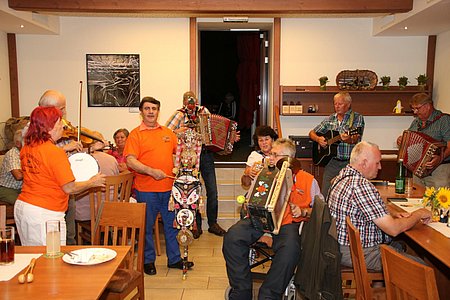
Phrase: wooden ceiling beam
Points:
(216, 7)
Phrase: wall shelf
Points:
(377, 102)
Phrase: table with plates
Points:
(56, 279)
(430, 244)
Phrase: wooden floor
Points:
(206, 280)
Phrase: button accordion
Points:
(416, 150)
(218, 133)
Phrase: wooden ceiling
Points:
(272, 8)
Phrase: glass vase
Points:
(435, 214)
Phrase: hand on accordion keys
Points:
(434, 162)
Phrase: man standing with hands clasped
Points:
(149, 152)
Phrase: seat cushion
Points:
(121, 279)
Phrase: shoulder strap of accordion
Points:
(435, 119)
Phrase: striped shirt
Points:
(332, 123)
(438, 130)
(355, 196)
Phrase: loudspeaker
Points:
(303, 146)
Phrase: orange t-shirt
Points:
(45, 170)
(300, 196)
(154, 147)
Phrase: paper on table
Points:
(441, 227)
(411, 205)
(21, 261)
(414, 204)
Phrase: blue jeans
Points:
(208, 172)
(158, 202)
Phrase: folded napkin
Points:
(82, 256)
(21, 261)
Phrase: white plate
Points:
(89, 256)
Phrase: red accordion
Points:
(218, 133)
(416, 150)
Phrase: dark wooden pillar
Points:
(13, 75)
(431, 56)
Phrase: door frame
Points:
(272, 26)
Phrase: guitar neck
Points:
(334, 140)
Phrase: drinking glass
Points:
(7, 245)
(53, 239)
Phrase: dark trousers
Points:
(236, 245)
(331, 170)
(208, 172)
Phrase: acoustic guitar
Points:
(322, 155)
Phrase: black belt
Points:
(340, 159)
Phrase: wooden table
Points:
(55, 279)
(428, 243)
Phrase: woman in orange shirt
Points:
(48, 179)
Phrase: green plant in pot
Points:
(385, 81)
(323, 82)
(422, 80)
(402, 82)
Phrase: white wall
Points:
(311, 48)
(5, 96)
(441, 89)
(59, 62)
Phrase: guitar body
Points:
(323, 155)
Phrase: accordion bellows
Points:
(416, 150)
(218, 133)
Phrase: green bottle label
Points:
(400, 185)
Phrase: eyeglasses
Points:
(416, 109)
(277, 155)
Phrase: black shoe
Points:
(217, 230)
(179, 265)
(150, 269)
(197, 233)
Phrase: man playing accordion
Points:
(286, 244)
(436, 124)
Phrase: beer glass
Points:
(7, 245)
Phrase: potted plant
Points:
(323, 82)
(402, 82)
(385, 81)
(422, 80)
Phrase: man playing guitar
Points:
(342, 121)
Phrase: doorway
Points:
(234, 81)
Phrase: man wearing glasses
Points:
(286, 244)
(435, 124)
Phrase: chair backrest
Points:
(405, 278)
(123, 223)
(2, 216)
(363, 288)
(119, 187)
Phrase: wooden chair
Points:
(123, 223)
(120, 191)
(364, 289)
(2, 216)
(157, 239)
(405, 278)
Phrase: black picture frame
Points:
(113, 80)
